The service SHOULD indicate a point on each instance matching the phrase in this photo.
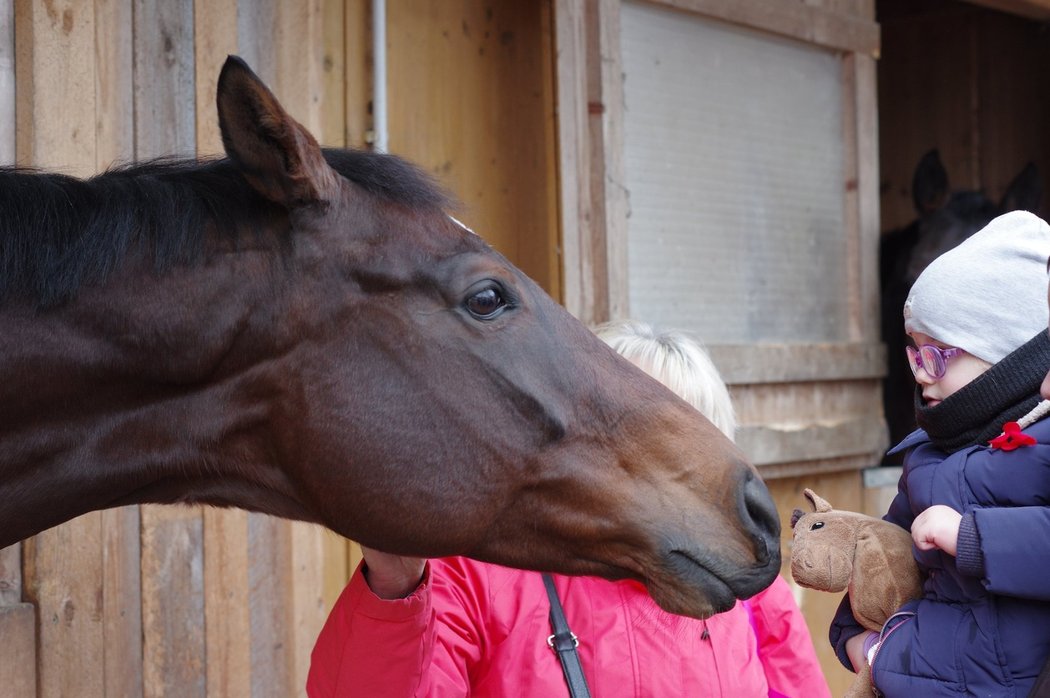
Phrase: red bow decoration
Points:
(1012, 438)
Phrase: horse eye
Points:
(816, 525)
(486, 304)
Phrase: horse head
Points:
(345, 352)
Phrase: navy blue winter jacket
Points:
(983, 635)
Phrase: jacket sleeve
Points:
(1015, 543)
(784, 644)
(422, 645)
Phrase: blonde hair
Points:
(679, 362)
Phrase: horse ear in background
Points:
(944, 219)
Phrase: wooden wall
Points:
(810, 411)
(970, 81)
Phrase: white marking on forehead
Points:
(460, 224)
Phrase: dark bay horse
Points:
(307, 333)
(944, 219)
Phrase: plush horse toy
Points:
(834, 550)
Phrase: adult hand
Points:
(937, 527)
(392, 576)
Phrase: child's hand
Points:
(937, 527)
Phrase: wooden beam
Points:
(770, 443)
(11, 575)
(1038, 10)
(7, 82)
(795, 20)
(18, 657)
(577, 221)
(749, 364)
(611, 116)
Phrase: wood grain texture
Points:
(813, 24)
(453, 111)
(173, 635)
(7, 82)
(18, 658)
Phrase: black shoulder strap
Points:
(564, 642)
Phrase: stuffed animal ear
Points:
(795, 516)
(819, 505)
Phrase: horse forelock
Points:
(59, 233)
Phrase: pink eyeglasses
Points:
(931, 359)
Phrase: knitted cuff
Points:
(969, 559)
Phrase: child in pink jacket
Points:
(458, 627)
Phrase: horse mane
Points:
(58, 233)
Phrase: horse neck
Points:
(136, 392)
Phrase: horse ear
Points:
(819, 505)
(1025, 191)
(277, 156)
(929, 184)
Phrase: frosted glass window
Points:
(733, 160)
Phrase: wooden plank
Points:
(336, 567)
(772, 443)
(357, 38)
(55, 109)
(471, 101)
(11, 575)
(269, 578)
(859, 8)
(1038, 10)
(164, 85)
(577, 223)
(817, 467)
(743, 364)
(7, 82)
(173, 645)
(215, 37)
(63, 579)
(851, 206)
(18, 658)
(226, 602)
(307, 599)
(299, 55)
(122, 602)
(610, 65)
(334, 79)
(814, 25)
(865, 81)
(114, 74)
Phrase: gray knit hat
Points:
(988, 296)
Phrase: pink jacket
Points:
(477, 629)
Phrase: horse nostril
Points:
(759, 512)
